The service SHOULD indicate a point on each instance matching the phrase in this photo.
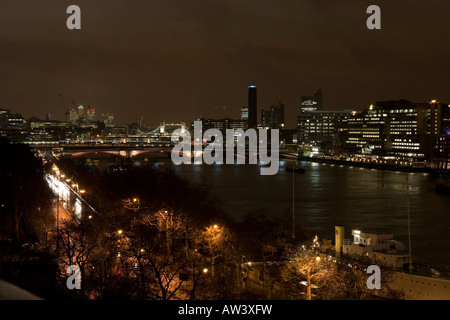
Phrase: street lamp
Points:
(212, 232)
(311, 264)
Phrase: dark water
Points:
(327, 195)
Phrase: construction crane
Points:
(66, 111)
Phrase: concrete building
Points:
(4, 115)
(90, 115)
(273, 118)
(223, 124)
(244, 113)
(395, 131)
(73, 115)
(316, 129)
(380, 248)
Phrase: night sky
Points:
(177, 60)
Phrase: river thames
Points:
(328, 195)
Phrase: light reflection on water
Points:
(329, 195)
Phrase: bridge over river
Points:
(138, 151)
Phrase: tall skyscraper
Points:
(73, 115)
(90, 115)
(252, 107)
(81, 114)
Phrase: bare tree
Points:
(77, 245)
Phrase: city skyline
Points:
(224, 151)
(176, 61)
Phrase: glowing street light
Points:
(309, 276)
(213, 234)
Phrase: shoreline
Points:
(370, 165)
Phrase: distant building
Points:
(273, 118)
(380, 248)
(80, 112)
(312, 103)
(90, 115)
(252, 107)
(244, 113)
(107, 119)
(440, 124)
(4, 114)
(48, 130)
(316, 129)
(73, 115)
(15, 121)
(288, 137)
(397, 130)
(224, 124)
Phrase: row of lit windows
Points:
(401, 133)
(401, 110)
(403, 140)
(409, 154)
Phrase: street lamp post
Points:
(293, 201)
(308, 276)
(212, 232)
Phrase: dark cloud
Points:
(176, 60)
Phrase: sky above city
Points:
(177, 60)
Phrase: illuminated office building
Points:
(318, 128)
(244, 113)
(396, 130)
